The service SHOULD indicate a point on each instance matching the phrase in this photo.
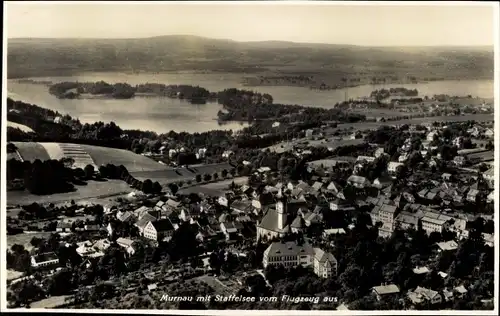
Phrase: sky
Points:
(367, 25)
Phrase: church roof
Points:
(298, 222)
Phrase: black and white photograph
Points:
(250, 157)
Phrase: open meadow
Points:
(214, 188)
(180, 174)
(92, 189)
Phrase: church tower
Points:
(280, 209)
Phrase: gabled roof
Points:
(145, 219)
(447, 245)
(386, 289)
(298, 222)
(322, 256)
(125, 241)
(162, 225)
(357, 179)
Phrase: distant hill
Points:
(45, 57)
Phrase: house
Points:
(448, 295)
(88, 249)
(192, 213)
(489, 132)
(430, 136)
(472, 195)
(340, 205)
(44, 260)
(317, 186)
(263, 169)
(292, 254)
(383, 291)
(421, 270)
(430, 224)
(458, 141)
(333, 187)
(127, 244)
(91, 227)
(365, 158)
(244, 207)
(143, 222)
(403, 157)
(489, 240)
(386, 214)
(460, 290)
(382, 182)
(298, 225)
(226, 154)
(491, 197)
(358, 181)
(172, 153)
(379, 152)
(152, 287)
(158, 230)
(407, 220)
(446, 176)
(421, 295)
(231, 229)
(459, 161)
(201, 153)
(110, 228)
(333, 231)
(309, 133)
(63, 226)
(124, 216)
(392, 167)
(141, 211)
(450, 245)
(222, 200)
(489, 176)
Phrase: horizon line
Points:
(253, 41)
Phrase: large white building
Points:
(158, 230)
(291, 254)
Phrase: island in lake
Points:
(101, 89)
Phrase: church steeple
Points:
(282, 214)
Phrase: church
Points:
(283, 219)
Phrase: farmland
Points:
(32, 151)
(100, 155)
(25, 238)
(215, 188)
(452, 118)
(51, 302)
(180, 174)
(23, 128)
(92, 189)
(287, 146)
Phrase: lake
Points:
(163, 114)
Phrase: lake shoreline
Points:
(165, 114)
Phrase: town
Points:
(394, 215)
(334, 157)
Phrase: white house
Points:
(421, 295)
(430, 136)
(46, 259)
(127, 244)
(158, 230)
(358, 181)
(383, 291)
(291, 254)
(226, 154)
(172, 153)
(201, 153)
